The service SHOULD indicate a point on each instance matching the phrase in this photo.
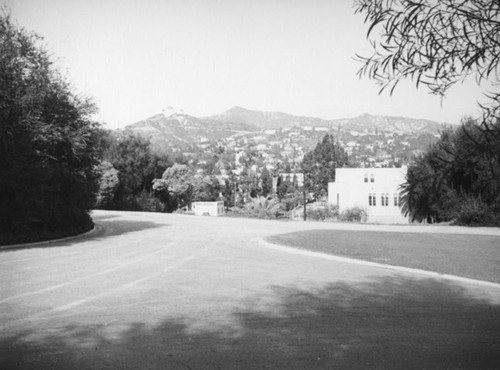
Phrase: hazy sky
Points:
(137, 57)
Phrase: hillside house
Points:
(374, 189)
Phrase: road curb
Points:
(331, 257)
(94, 230)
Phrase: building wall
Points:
(208, 208)
(374, 189)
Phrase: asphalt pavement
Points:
(162, 291)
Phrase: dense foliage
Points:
(179, 186)
(319, 165)
(48, 144)
(354, 214)
(136, 166)
(457, 179)
(259, 207)
(127, 172)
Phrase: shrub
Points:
(147, 202)
(322, 212)
(354, 214)
(259, 207)
(474, 212)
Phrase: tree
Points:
(206, 188)
(281, 187)
(48, 144)
(266, 182)
(228, 191)
(456, 179)
(424, 191)
(435, 43)
(176, 184)
(130, 154)
(108, 184)
(248, 184)
(319, 165)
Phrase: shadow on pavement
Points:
(119, 227)
(387, 323)
(105, 228)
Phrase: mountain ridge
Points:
(366, 136)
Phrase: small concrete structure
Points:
(208, 208)
(377, 190)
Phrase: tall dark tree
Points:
(130, 154)
(48, 144)
(319, 165)
(456, 179)
(266, 182)
(228, 191)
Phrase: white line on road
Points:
(57, 286)
(68, 306)
(124, 286)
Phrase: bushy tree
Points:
(462, 168)
(131, 155)
(175, 185)
(108, 184)
(206, 188)
(48, 144)
(319, 165)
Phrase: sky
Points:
(137, 57)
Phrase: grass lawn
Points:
(471, 256)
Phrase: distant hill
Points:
(370, 123)
(179, 130)
(267, 119)
(364, 122)
(366, 137)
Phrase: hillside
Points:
(277, 137)
(401, 125)
(267, 119)
(179, 130)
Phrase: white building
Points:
(374, 189)
(208, 208)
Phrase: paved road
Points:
(183, 292)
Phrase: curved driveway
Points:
(173, 292)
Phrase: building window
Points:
(384, 199)
(372, 178)
(396, 203)
(372, 199)
(366, 177)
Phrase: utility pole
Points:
(304, 203)
(304, 191)
(235, 194)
